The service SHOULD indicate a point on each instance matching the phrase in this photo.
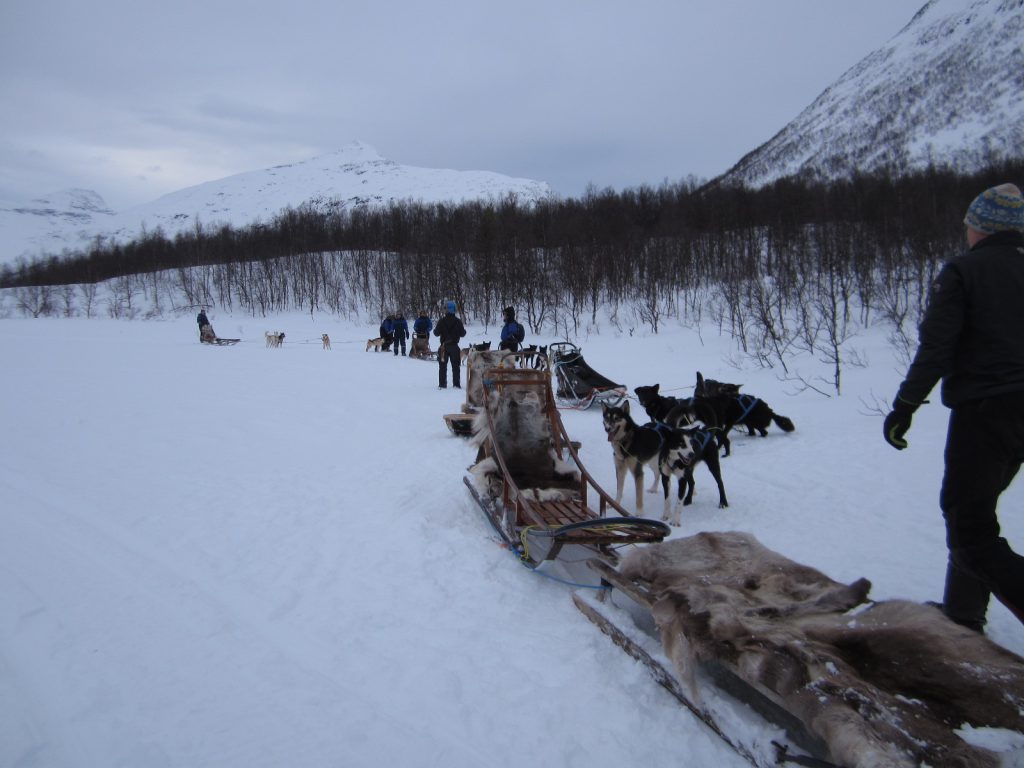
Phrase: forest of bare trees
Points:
(789, 267)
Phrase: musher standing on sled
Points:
(449, 330)
(972, 337)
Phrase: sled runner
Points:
(579, 385)
(531, 485)
(219, 342)
(788, 666)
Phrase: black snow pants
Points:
(984, 451)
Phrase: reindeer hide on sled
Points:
(885, 684)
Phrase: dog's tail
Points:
(783, 423)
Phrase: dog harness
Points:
(747, 403)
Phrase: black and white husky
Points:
(681, 450)
(633, 447)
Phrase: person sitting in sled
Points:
(206, 333)
(421, 336)
(422, 327)
(512, 333)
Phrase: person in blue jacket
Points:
(400, 327)
(423, 325)
(387, 332)
(512, 333)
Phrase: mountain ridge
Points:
(946, 91)
(354, 176)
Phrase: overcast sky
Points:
(134, 99)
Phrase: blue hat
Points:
(451, 307)
(996, 209)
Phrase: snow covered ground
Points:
(243, 557)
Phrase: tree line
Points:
(783, 268)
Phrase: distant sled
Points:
(579, 385)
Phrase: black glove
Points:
(897, 423)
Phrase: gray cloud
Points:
(135, 98)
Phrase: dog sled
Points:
(579, 385)
(790, 667)
(420, 349)
(207, 336)
(531, 485)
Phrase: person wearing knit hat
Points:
(996, 210)
(972, 338)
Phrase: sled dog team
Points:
(682, 433)
(276, 338)
(531, 356)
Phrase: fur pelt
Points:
(523, 436)
(477, 363)
(883, 685)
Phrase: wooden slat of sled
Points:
(562, 512)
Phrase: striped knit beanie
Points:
(996, 209)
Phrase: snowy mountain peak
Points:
(355, 175)
(70, 200)
(944, 91)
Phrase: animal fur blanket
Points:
(523, 437)
(886, 684)
(477, 364)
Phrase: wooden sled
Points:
(788, 666)
(219, 342)
(531, 485)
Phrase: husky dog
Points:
(674, 411)
(724, 403)
(681, 450)
(526, 356)
(540, 360)
(326, 341)
(374, 344)
(483, 347)
(274, 339)
(633, 447)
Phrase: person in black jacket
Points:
(205, 329)
(449, 330)
(972, 337)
